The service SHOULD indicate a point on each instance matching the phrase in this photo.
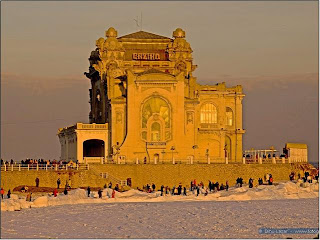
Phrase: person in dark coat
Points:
(9, 193)
(250, 182)
(184, 191)
(37, 182)
(58, 182)
(65, 191)
(89, 190)
(161, 189)
(198, 190)
(227, 185)
(100, 193)
(153, 187)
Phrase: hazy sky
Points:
(271, 48)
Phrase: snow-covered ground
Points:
(237, 213)
(286, 190)
(201, 219)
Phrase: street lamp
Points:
(163, 152)
(172, 149)
(194, 150)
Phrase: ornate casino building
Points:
(147, 107)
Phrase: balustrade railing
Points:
(44, 167)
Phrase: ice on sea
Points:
(286, 190)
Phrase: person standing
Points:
(89, 190)
(37, 182)
(161, 189)
(227, 185)
(58, 183)
(184, 191)
(9, 193)
(100, 193)
(2, 192)
(198, 190)
(29, 197)
(55, 192)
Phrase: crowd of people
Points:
(306, 178)
(194, 188)
(42, 162)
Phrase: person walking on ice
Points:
(89, 190)
(37, 182)
(58, 182)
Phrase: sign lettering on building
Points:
(146, 56)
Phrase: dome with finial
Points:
(179, 33)
(111, 32)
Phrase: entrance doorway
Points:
(93, 148)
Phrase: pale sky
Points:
(271, 48)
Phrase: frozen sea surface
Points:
(207, 219)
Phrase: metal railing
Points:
(44, 167)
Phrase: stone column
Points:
(227, 161)
(283, 160)
(244, 160)
(137, 160)
(260, 160)
(273, 160)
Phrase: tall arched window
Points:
(208, 113)
(155, 120)
(229, 117)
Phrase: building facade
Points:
(146, 106)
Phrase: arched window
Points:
(229, 117)
(208, 113)
(155, 120)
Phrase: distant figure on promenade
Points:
(55, 192)
(116, 188)
(153, 187)
(89, 190)
(28, 199)
(110, 184)
(270, 179)
(250, 183)
(198, 190)
(291, 176)
(100, 193)
(37, 182)
(2, 192)
(145, 160)
(58, 183)
(260, 181)
(113, 193)
(65, 191)
(105, 186)
(9, 193)
(184, 191)
(227, 185)
(11, 162)
(161, 189)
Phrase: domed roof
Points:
(179, 33)
(111, 32)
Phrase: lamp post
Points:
(194, 151)
(207, 155)
(163, 152)
(172, 149)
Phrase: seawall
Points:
(166, 174)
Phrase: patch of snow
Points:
(285, 190)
